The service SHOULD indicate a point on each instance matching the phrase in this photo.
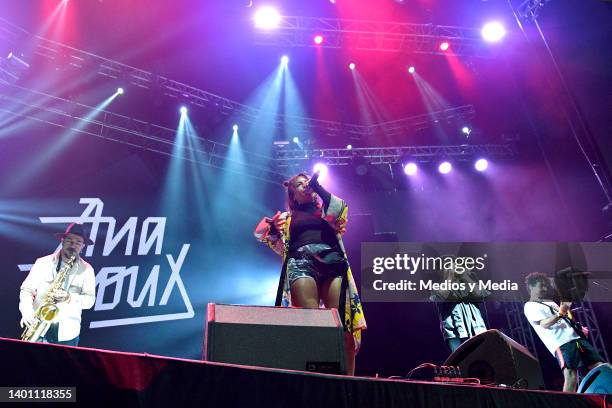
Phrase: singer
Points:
(315, 268)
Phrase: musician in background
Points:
(77, 292)
(460, 311)
(552, 323)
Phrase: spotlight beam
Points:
(120, 129)
(39, 163)
(143, 79)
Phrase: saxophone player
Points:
(75, 292)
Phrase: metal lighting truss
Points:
(110, 126)
(586, 316)
(68, 56)
(391, 155)
(519, 328)
(153, 137)
(60, 112)
(530, 9)
(294, 31)
(399, 127)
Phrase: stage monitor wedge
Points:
(275, 337)
(495, 358)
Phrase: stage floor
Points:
(109, 378)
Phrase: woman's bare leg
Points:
(304, 293)
(330, 293)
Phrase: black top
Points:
(307, 226)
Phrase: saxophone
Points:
(46, 313)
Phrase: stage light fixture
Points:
(296, 140)
(318, 39)
(120, 91)
(352, 66)
(481, 164)
(444, 46)
(235, 128)
(285, 60)
(15, 66)
(183, 110)
(445, 167)
(493, 31)
(410, 169)
(16, 60)
(349, 147)
(466, 130)
(411, 70)
(322, 169)
(267, 18)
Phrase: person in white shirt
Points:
(77, 293)
(550, 322)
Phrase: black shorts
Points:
(318, 261)
(577, 354)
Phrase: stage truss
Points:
(62, 55)
(391, 155)
(395, 37)
(63, 113)
(60, 112)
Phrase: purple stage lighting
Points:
(444, 46)
(322, 169)
(318, 39)
(352, 66)
(411, 70)
(349, 147)
(466, 130)
(267, 18)
(493, 32)
(481, 164)
(445, 167)
(284, 60)
(183, 110)
(410, 169)
(296, 140)
(120, 91)
(235, 128)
